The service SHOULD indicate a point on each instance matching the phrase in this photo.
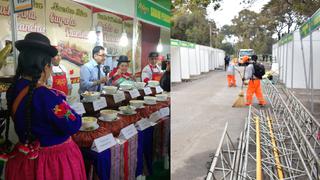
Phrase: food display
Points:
(137, 103)
(109, 114)
(126, 86)
(89, 124)
(139, 85)
(110, 89)
(150, 100)
(162, 97)
(153, 83)
(90, 96)
(127, 109)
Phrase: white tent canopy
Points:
(190, 59)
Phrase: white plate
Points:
(150, 103)
(107, 120)
(134, 112)
(95, 127)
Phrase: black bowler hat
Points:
(153, 55)
(37, 41)
(123, 58)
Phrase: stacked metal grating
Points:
(277, 143)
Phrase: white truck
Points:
(244, 52)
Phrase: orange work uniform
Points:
(231, 80)
(254, 86)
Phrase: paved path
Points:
(200, 110)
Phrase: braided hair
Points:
(31, 62)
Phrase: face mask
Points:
(163, 65)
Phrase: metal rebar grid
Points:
(278, 143)
(225, 160)
(300, 128)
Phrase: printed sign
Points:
(128, 132)
(102, 143)
(22, 5)
(78, 107)
(99, 104)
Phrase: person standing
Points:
(226, 62)
(92, 76)
(165, 82)
(151, 71)
(43, 120)
(231, 75)
(254, 85)
(59, 79)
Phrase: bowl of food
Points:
(127, 109)
(153, 83)
(139, 85)
(137, 103)
(90, 96)
(126, 86)
(162, 97)
(108, 114)
(110, 89)
(89, 123)
(150, 100)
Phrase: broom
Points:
(240, 102)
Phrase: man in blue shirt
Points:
(92, 77)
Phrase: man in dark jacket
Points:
(226, 62)
(165, 82)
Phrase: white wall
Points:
(175, 64)
(192, 61)
(184, 63)
(294, 69)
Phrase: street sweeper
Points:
(254, 72)
(231, 70)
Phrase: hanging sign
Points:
(22, 5)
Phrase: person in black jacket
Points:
(165, 82)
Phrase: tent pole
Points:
(304, 64)
(14, 34)
(286, 71)
(292, 52)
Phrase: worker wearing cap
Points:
(152, 71)
(254, 85)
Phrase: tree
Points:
(228, 48)
(191, 27)
(195, 4)
(303, 7)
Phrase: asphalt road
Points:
(200, 110)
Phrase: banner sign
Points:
(153, 12)
(286, 39)
(312, 24)
(175, 42)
